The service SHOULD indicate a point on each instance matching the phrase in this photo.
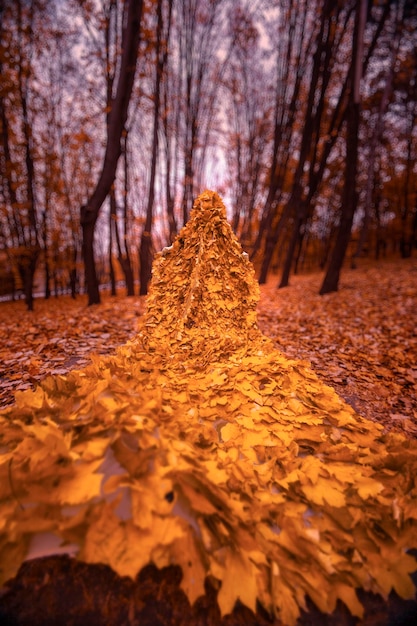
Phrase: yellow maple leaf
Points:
(325, 492)
(238, 582)
(92, 448)
(230, 432)
(122, 545)
(117, 544)
(151, 494)
(190, 556)
(284, 601)
(339, 590)
(368, 487)
(30, 399)
(82, 485)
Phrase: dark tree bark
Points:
(200, 39)
(408, 213)
(145, 250)
(23, 225)
(291, 62)
(116, 122)
(377, 131)
(27, 265)
(310, 155)
(170, 131)
(249, 123)
(359, 64)
(124, 254)
(271, 241)
(112, 227)
(349, 199)
(73, 271)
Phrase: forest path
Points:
(361, 340)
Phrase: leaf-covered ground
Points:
(200, 444)
(361, 340)
(58, 336)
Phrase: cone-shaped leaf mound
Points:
(200, 444)
(204, 293)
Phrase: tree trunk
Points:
(295, 236)
(409, 212)
(145, 261)
(374, 142)
(271, 242)
(126, 266)
(289, 60)
(145, 250)
(116, 121)
(112, 226)
(47, 280)
(122, 257)
(27, 268)
(91, 281)
(310, 154)
(349, 199)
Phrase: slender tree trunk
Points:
(349, 199)
(116, 122)
(375, 140)
(112, 226)
(32, 240)
(123, 256)
(146, 254)
(406, 226)
(188, 184)
(295, 236)
(47, 280)
(124, 259)
(287, 94)
(91, 281)
(271, 242)
(299, 259)
(27, 268)
(325, 48)
(145, 250)
(266, 220)
(349, 202)
(409, 210)
(126, 265)
(73, 283)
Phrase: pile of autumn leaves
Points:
(199, 444)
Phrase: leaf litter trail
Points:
(200, 444)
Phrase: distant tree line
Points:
(116, 114)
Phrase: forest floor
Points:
(361, 340)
